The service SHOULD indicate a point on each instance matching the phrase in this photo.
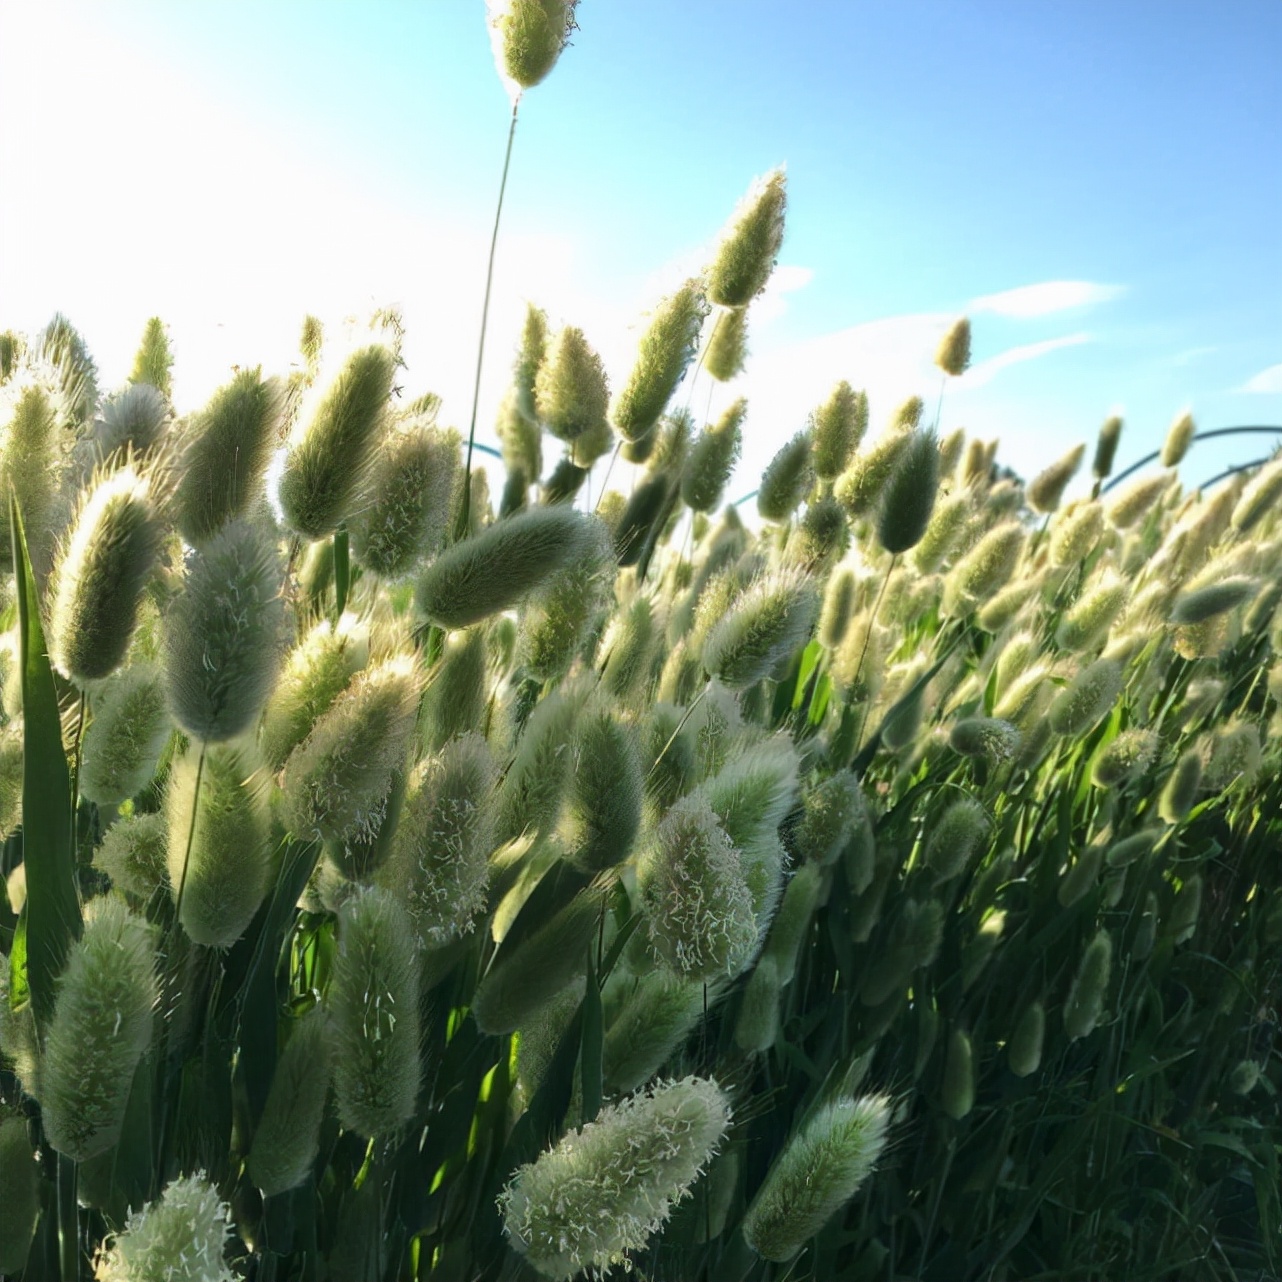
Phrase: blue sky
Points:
(1095, 184)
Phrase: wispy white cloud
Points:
(1046, 298)
(987, 370)
(1268, 381)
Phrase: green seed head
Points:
(953, 356)
(908, 499)
(786, 479)
(956, 839)
(912, 944)
(750, 244)
(223, 634)
(822, 1167)
(1178, 439)
(943, 533)
(154, 361)
(1024, 1050)
(1197, 605)
(1090, 694)
(135, 854)
(101, 1026)
(987, 567)
(1086, 624)
(129, 731)
(374, 1015)
(667, 348)
(528, 37)
(603, 808)
(657, 1016)
(987, 737)
(1106, 447)
(328, 462)
(102, 570)
(1245, 1076)
(836, 428)
(1076, 532)
(607, 1188)
(1132, 752)
(1085, 1004)
(570, 391)
(1047, 488)
(712, 458)
(1081, 877)
(225, 450)
(767, 624)
(1182, 923)
(534, 787)
(728, 347)
(838, 602)
(1181, 789)
(629, 647)
(1234, 756)
(1122, 854)
(1259, 498)
(132, 421)
(788, 931)
(182, 1235)
(957, 1092)
(1134, 502)
(833, 810)
(757, 1028)
(859, 488)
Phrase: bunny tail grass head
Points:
(1200, 604)
(438, 866)
(836, 429)
(1085, 1002)
(134, 419)
(338, 781)
(1024, 1050)
(1047, 488)
(528, 37)
(605, 1189)
(287, 1140)
(224, 633)
(697, 904)
(1134, 502)
(957, 1091)
(404, 508)
(821, 1168)
(1110, 434)
(667, 348)
(1076, 533)
(374, 1015)
(956, 838)
(1260, 497)
(953, 353)
(986, 568)
(657, 1016)
(328, 461)
(134, 854)
(1090, 694)
(225, 452)
(728, 347)
(838, 605)
(503, 564)
(712, 458)
(181, 1236)
(1181, 788)
(786, 479)
(834, 809)
(101, 1026)
(1178, 439)
(101, 572)
(767, 623)
(603, 808)
(218, 857)
(570, 391)
(750, 243)
(154, 362)
(129, 730)
(908, 499)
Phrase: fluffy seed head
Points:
(528, 37)
(1234, 755)
(833, 810)
(534, 787)
(943, 533)
(603, 808)
(1121, 854)
(987, 567)
(859, 488)
(836, 428)
(327, 463)
(1085, 1002)
(223, 634)
(1178, 439)
(767, 624)
(757, 1028)
(374, 1015)
(1076, 533)
(786, 479)
(570, 391)
(1106, 447)
(100, 576)
(750, 244)
(1086, 624)
(497, 568)
(953, 354)
(605, 1189)
(100, 1028)
(987, 737)
(1132, 504)
(913, 944)
(1090, 694)
(1181, 789)
(1132, 752)
(957, 837)
(908, 499)
(728, 347)
(1024, 1050)
(154, 361)
(628, 645)
(1047, 488)
(1182, 923)
(788, 931)
(656, 1018)
(129, 730)
(712, 458)
(821, 1168)
(133, 419)
(225, 451)
(1258, 498)
(838, 602)
(1199, 604)
(957, 1092)
(135, 854)
(180, 1237)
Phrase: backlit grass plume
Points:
(767, 623)
(822, 1166)
(1047, 488)
(129, 730)
(1085, 1004)
(836, 429)
(727, 350)
(1090, 694)
(225, 450)
(603, 802)
(134, 419)
(712, 458)
(374, 1015)
(908, 499)
(1110, 434)
(659, 1012)
(502, 565)
(956, 838)
(667, 348)
(605, 1189)
(786, 479)
(329, 459)
(570, 392)
(1178, 439)
(833, 809)
(859, 488)
(1133, 502)
(1199, 604)
(953, 353)
(1260, 497)
(223, 633)
(750, 244)
(180, 1237)
(529, 36)
(219, 863)
(101, 572)
(101, 1026)
(135, 854)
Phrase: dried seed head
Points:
(528, 37)
(1106, 447)
(328, 461)
(692, 890)
(956, 839)
(957, 1092)
(402, 512)
(1181, 789)
(1075, 533)
(728, 347)
(225, 450)
(1200, 604)
(750, 243)
(1085, 1002)
(953, 355)
(499, 567)
(223, 634)
(667, 348)
(1134, 502)
(102, 570)
(606, 1189)
(786, 479)
(135, 854)
(338, 780)
(181, 1235)
(656, 1018)
(100, 1028)
(129, 730)
(603, 807)
(1178, 439)
(822, 1166)
(1047, 488)
(287, 1141)
(1024, 1050)
(570, 391)
(836, 428)
(1090, 694)
(712, 458)
(767, 624)
(908, 499)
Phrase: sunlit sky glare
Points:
(1096, 184)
